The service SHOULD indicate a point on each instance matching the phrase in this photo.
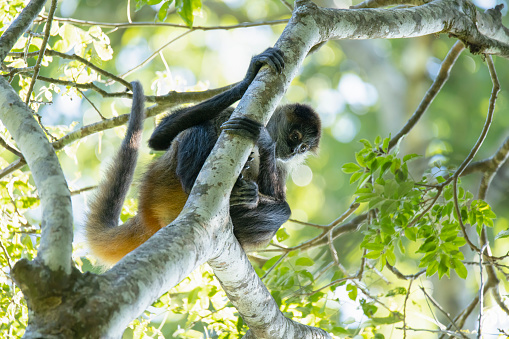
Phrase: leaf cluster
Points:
(403, 210)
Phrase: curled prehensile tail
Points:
(108, 241)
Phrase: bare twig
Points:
(153, 55)
(447, 315)
(91, 104)
(400, 275)
(404, 306)
(481, 290)
(287, 5)
(84, 189)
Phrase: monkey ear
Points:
(244, 127)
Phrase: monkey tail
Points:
(105, 208)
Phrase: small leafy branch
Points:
(402, 209)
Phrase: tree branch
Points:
(57, 233)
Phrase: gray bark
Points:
(55, 249)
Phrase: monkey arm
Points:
(270, 179)
(187, 117)
(194, 148)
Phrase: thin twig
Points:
(447, 315)
(165, 24)
(50, 52)
(487, 123)
(275, 264)
(153, 55)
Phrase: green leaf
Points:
(372, 255)
(163, 11)
(391, 257)
(460, 269)
(282, 235)
(356, 176)
(396, 291)
(373, 246)
(385, 145)
(432, 268)
(366, 197)
(350, 168)
(185, 8)
(378, 140)
(366, 143)
(503, 234)
(360, 159)
(269, 263)
(303, 261)
(409, 157)
(390, 188)
(374, 203)
(411, 233)
(352, 291)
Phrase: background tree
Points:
(396, 262)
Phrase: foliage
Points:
(185, 8)
(412, 224)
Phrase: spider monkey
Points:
(258, 204)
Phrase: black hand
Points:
(243, 126)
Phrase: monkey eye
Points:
(303, 148)
(295, 136)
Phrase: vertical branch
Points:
(42, 50)
(481, 291)
(57, 233)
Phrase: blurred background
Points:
(361, 89)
